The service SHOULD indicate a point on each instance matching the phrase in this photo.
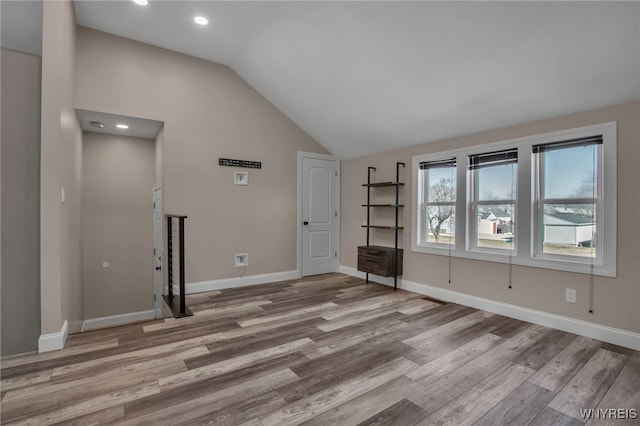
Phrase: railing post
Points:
(170, 256)
(178, 307)
(183, 307)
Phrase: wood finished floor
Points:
(325, 350)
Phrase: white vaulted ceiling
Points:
(366, 77)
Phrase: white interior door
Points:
(158, 248)
(319, 216)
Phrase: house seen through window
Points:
(569, 197)
(493, 204)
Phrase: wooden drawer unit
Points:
(379, 260)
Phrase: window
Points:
(493, 200)
(569, 197)
(438, 201)
(545, 201)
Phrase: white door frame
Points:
(299, 228)
(158, 303)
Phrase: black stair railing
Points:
(176, 272)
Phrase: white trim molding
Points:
(120, 319)
(604, 333)
(201, 286)
(53, 341)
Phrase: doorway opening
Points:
(121, 168)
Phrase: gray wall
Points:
(20, 288)
(209, 112)
(118, 174)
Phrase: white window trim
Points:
(472, 224)
(525, 250)
(418, 183)
(539, 213)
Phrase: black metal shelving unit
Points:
(397, 257)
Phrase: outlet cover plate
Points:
(570, 295)
(241, 260)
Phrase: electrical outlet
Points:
(242, 260)
(570, 295)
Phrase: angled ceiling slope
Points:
(366, 77)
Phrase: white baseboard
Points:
(53, 341)
(120, 319)
(604, 333)
(201, 286)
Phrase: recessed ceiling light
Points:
(201, 20)
(141, 2)
(97, 124)
(122, 126)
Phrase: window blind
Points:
(450, 162)
(569, 143)
(497, 158)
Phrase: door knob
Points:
(305, 223)
(158, 268)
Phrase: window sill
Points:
(534, 262)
